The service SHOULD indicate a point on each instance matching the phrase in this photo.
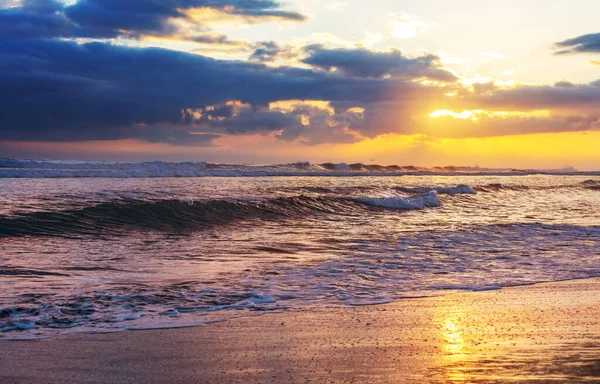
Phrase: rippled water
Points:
(108, 254)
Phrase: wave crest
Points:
(121, 217)
(429, 199)
(458, 190)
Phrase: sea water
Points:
(95, 247)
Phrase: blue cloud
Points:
(60, 90)
(362, 62)
(132, 18)
(584, 43)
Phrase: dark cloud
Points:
(362, 62)
(262, 13)
(59, 90)
(149, 16)
(62, 91)
(311, 123)
(267, 51)
(584, 43)
(168, 134)
(44, 19)
(562, 95)
(247, 119)
(132, 18)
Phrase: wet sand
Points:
(543, 333)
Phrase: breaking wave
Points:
(122, 217)
(591, 184)
(429, 199)
(417, 264)
(13, 168)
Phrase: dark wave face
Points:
(134, 253)
(164, 215)
(175, 216)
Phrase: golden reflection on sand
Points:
(487, 343)
(452, 349)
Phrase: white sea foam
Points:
(429, 199)
(374, 272)
(250, 302)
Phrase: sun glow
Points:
(457, 115)
(474, 114)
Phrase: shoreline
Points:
(546, 332)
(70, 332)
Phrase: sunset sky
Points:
(427, 82)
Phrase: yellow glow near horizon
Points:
(474, 114)
(542, 151)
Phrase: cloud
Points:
(561, 96)
(57, 90)
(8, 3)
(62, 90)
(44, 19)
(585, 43)
(133, 19)
(149, 16)
(361, 62)
(310, 122)
(269, 51)
(483, 124)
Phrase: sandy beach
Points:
(541, 333)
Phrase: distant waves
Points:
(12, 168)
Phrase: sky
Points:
(429, 82)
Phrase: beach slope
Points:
(542, 333)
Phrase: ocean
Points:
(101, 247)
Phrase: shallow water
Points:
(100, 254)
